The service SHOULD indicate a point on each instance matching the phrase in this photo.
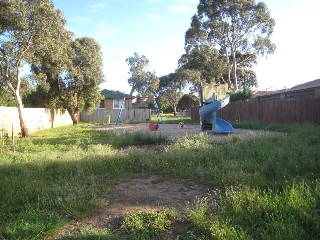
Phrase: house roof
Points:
(261, 92)
(311, 84)
(114, 94)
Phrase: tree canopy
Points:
(239, 30)
(171, 87)
(202, 63)
(26, 27)
(72, 80)
(66, 73)
(141, 80)
(82, 83)
(188, 101)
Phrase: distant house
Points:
(302, 91)
(115, 99)
(262, 92)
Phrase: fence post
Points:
(2, 136)
(12, 132)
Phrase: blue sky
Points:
(156, 28)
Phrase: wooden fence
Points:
(279, 111)
(107, 116)
(274, 110)
(35, 118)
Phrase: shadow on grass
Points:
(82, 137)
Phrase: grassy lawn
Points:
(269, 186)
(170, 119)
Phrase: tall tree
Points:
(170, 87)
(25, 27)
(82, 91)
(239, 27)
(71, 78)
(246, 76)
(49, 72)
(204, 59)
(142, 81)
(188, 101)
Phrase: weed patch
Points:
(149, 225)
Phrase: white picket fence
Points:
(108, 116)
(35, 118)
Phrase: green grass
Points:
(170, 119)
(269, 186)
(288, 128)
(91, 234)
(149, 225)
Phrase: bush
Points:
(246, 93)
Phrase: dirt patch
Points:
(174, 131)
(143, 194)
(154, 192)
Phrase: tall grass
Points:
(270, 186)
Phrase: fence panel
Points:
(35, 119)
(277, 110)
(107, 116)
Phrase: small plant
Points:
(149, 225)
(198, 216)
(91, 234)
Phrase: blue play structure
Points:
(208, 108)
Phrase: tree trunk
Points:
(228, 65)
(174, 109)
(234, 69)
(235, 78)
(74, 116)
(24, 129)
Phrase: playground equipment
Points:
(154, 104)
(153, 126)
(212, 98)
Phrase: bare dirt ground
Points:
(153, 192)
(142, 194)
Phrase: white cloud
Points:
(104, 32)
(179, 8)
(153, 1)
(153, 16)
(81, 20)
(98, 7)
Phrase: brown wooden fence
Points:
(279, 111)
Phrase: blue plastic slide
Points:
(209, 119)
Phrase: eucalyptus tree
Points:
(6, 99)
(49, 72)
(171, 87)
(236, 27)
(246, 76)
(81, 86)
(188, 101)
(26, 27)
(69, 78)
(141, 80)
(202, 63)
